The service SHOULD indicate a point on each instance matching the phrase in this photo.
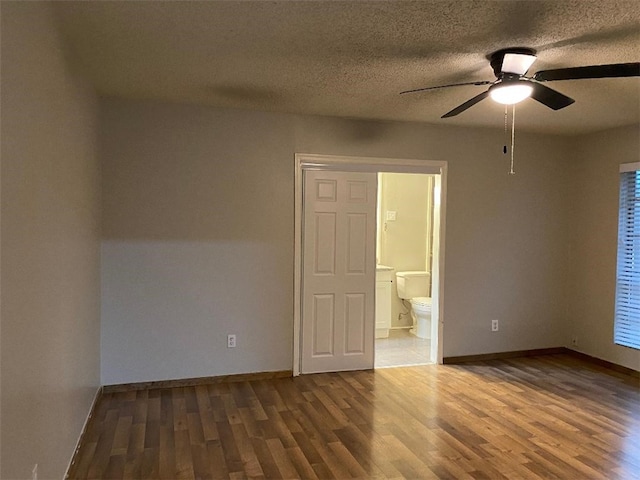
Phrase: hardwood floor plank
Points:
(133, 466)
(152, 426)
(194, 427)
(179, 406)
(548, 417)
(447, 466)
(229, 448)
(183, 456)
(101, 455)
(231, 409)
(276, 427)
(360, 449)
(141, 406)
(121, 436)
(301, 464)
(281, 458)
(312, 420)
(250, 462)
(217, 460)
(250, 422)
(150, 467)
(200, 458)
(83, 461)
(408, 460)
(205, 411)
(265, 459)
(337, 469)
(115, 467)
(345, 457)
(135, 445)
(167, 453)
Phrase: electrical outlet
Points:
(231, 341)
(574, 341)
(34, 472)
(495, 326)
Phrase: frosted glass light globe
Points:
(509, 94)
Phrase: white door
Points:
(338, 278)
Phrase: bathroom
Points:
(406, 329)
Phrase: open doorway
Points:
(404, 261)
(333, 335)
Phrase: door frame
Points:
(342, 163)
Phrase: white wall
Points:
(593, 200)
(198, 235)
(50, 248)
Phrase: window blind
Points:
(627, 310)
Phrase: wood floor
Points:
(551, 416)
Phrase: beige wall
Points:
(198, 234)
(50, 248)
(197, 241)
(404, 240)
(593, 225)
(506, 238)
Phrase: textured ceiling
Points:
(351, 59)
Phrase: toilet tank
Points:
(412, 284)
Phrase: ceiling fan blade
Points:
(593, 71)
(468, 104)
(483, 82)
(517, 63)
(549, 97)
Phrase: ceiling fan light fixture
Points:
(510, 93)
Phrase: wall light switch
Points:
(391, 215)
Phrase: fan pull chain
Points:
(504, 148)
(513, 136)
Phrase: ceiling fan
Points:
(511, 85)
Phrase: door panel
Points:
(354, 331)
(325, 226)
(323, 324)
(338, 281)
(356, 238)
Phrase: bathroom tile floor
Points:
(401, 349)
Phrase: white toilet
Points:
(414, 286)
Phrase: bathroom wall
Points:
(50, 237)
(404, 241)
(198, 234)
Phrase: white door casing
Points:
(338, 271)
(307, 161)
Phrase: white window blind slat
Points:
(627, 312)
